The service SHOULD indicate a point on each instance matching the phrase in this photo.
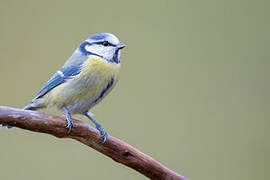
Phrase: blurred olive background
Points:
(193, 91)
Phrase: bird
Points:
(83, 81)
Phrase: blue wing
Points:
(58, 78)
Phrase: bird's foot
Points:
(98, 126)
(102, 132)
(68, 119)
(69, 125)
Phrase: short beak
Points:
(120, 46)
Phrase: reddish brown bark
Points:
(114, 148)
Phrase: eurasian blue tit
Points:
(84, 80)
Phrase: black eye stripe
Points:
(102, 43)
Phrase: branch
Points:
(114, 148)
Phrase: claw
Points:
(69, 119)
(69, 126)
(102, 132)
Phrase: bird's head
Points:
(105, 45)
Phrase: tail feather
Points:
(30, 107)
(6, 126)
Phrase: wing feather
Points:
(58, 78)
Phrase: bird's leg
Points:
(98, 126)
(68, 118)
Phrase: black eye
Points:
(105, 43)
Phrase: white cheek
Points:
(109, 53)
(93, 49)
(106, 52)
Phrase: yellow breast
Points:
(95, 75)
(95, 64)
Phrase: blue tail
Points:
(30, 107)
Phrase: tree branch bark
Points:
(114, 148)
